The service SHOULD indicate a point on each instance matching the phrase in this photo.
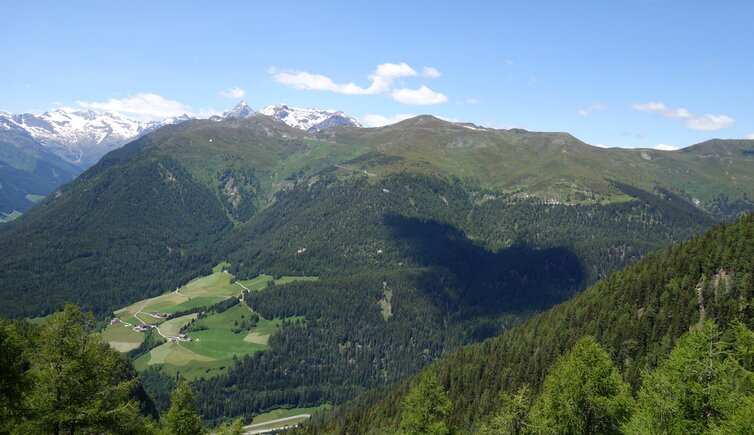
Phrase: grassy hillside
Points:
(552, 165)
(636, 314)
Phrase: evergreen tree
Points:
(77, 382)
(583, 394)
(183, 418)
(425, 407)
(12, 380)
(700, 387)
(234, 427)
(513, 417)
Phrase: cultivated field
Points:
(213, 345)
(213, 342)
(121, 338)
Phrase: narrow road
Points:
(240, 295)
(145, 323)
(251, 429)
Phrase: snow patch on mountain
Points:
(311, 120)
(81, 136)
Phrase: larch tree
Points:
(583, 394)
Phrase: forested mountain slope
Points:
(635, 314)
(148, 216)
(405, 278)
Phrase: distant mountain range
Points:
(40, 152)
(80, 137)
(311, 120)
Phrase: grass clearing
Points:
(267, 420)
(255, 337)
(122, 338)
(258, 283)
(200, 301)
(172, 327)
(286, 279)
(283, 413)
(261, 281)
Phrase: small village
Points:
(143, 327)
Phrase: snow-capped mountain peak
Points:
(311, 120)
(81, 136)
(242, 110)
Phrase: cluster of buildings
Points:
(145, 326)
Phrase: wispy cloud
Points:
(235, 92)
(144, 106)
(751, 136)
(372, 120)
(593, 108)
(430, 72)
(706, 122)
(471, 100)
(382, 80)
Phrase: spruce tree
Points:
(425, 408)
(183, 418)
(77, 381)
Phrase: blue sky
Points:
(618, 73)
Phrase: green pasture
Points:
(122, 338)
(172, 327)
(213, 347)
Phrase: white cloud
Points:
(751, 136)
(430, 72)
(600, 145)
(421, 96)
(381, 79)
(235, 92)
(509, 62)
(665, 147)
(593, 108)
(472, 100)
(705, 122)
(142, 106)
(371, 120)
